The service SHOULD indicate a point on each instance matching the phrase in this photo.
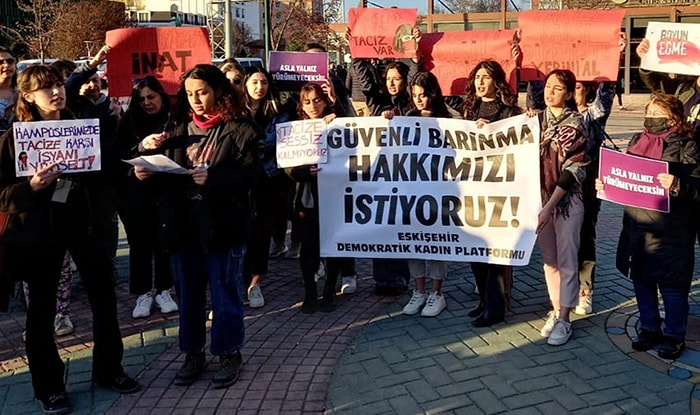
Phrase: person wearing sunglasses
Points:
(8, 85)
(234, 72)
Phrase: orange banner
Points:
(164, 52)
(451, 56)
(382, 33)
(583, 41)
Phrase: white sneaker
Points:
(585, 304)
(434, 305)
(166, 303)
(414, 305)
(62, 325)
(143, 306)
(349, 285)
(277, 250)
(255, 297)
(552, 317)
(561, 332)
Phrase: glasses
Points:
(9, 61)
(314, 101)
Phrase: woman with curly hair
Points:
(490, 98)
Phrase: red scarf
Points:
(205, 123)
(650, 145)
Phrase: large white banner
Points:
(427, 188)
(673, 48)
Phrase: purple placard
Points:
(291, 70)
(630, 180)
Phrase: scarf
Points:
(205, 123)
(650, 145)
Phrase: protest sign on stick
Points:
(382, 33)
(72, 145)
(583, 41)
(430, 188)
(673, 48)
(630, 180)
(452, 55)
(164, 52)
(291, 70)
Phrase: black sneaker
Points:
(194, 365)
(227, 375)
(122, 384)
(55, 404)
(671, 348)
(647, 339)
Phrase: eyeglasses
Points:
(9, 61)
(236, 81)
(314, 101)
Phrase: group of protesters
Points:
(218, 224)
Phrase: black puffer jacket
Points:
(656, 246)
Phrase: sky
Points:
(421, 5)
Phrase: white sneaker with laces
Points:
(434, 305)
(349, 285)
(416, 302)
(585, 304)
(144, 303)
(62, 325)
(165, 302)
(552, 317)
(561, 332)
(255, 297)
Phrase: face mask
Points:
(656, 125)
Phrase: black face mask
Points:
(656, 125)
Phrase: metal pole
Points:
(268, 32)
(228, 35)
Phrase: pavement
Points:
(367, 358)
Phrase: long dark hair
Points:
(31, 79)
(403, 71)
(306, 90)
(228, 103)
(270, 106)
(432, 90)
(13, 81)
(135, 107)
(567, 78)
(504, 92)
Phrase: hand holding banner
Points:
(301, 143)
(583, 41)
(673, 48)
(382, 33)
(291, 70)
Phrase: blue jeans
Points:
(192, 270)
(675, 305)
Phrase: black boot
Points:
(310, 304)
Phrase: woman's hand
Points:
(115, 108)
(481, 122)
(388, 114)
(416, 33)
(44, 177)
(531, 112)
(142, 173)
(328, 118)
(598, 185)
(622, 42)
(199, 175)
(154, 141)
(327, 87)
(313, 170)
(643, 48)
(544, 216)
(667, 181)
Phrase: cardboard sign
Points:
(73, 145)
(164, 52)
(673, 48)
(430, 188)
(382, 33)
(301, 143)
(631, 180)
(583, 41)
(291, 70)
(452, 55)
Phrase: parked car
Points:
(22, 65)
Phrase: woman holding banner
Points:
(56, 214)
(562, 171)
(427, 101)
(207, 217)
(490, 98)
(656, 249)
(150, 278)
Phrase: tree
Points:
(37, 32)
(241, 36)
(294, 23)
(467, 6)
(86, 21)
